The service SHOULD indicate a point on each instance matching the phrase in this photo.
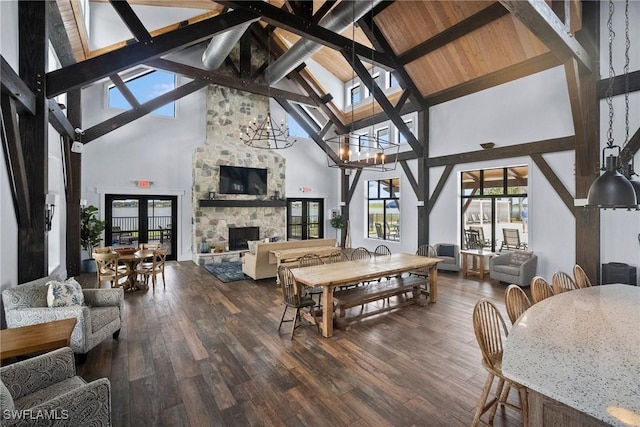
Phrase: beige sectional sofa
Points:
(257, 265)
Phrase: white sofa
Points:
(257, 265)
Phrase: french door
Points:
(134, 219)
(305, 219)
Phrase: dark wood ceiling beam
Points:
(13, 86)
(540, 19)
(555, 182)
(124, 90)
(245, 55)
(228, 81)
(58, 35)
(514, 72)
(378, 40)
(381, 117)
(575, 92)
(318, 100)
(464, 27)
(630, 150)
(410, 177)
(310, 30)
(128, 116)
(94, 69)
(313, 134)
(131, 20)
(547, 146)
(354, 186)
(385, 104)
(59, 120)
(323, 10)
(403, 98)
(439, 186)
(14, 159)
(619, 85)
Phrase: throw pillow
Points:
(64, 294)
(252, 246)
(519, 257)
(446, 250)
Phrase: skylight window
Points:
(146, 87)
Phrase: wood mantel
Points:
(230, 203)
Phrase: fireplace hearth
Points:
(239, 236)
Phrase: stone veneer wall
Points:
(228, 111)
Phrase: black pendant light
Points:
(612, 189)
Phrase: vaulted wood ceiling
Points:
(437, 46)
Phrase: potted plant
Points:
(337, 222)
(91, 229)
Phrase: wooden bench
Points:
(377, 291)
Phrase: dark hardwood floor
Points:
(206, 353)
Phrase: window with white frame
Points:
(383, 209)
(355, 94)
(146, 87)
(401, 138)
(382, 135)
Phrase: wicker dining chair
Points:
(516, 301)
(540, 289)
(580, 277)
(562, 282)
(149, 246)
(490, 328)
(293, 297)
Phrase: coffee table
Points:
(35, 338)
(479, 259)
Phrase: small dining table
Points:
(131, 260)
(329, 276)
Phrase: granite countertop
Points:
(582, 348)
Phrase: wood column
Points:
(423, 177)
(33, 54)
(344, 198)
(587, 150)
(74, 186)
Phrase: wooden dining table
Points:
(132, 261)
(329, 276)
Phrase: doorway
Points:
(305, 219)
(131, 220)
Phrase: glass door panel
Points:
(131, 220)
(305, 219)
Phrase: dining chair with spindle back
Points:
(516, 302)
(490, 330)
(581, 278)
(540, 289)
(293, 297)
(562, 282)
(337, 256)
(360, 253)
(309, 260)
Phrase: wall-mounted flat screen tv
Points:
(239, 180)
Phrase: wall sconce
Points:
(50, 208)
(83, 203)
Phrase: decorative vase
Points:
(204, 247)
(88, 265)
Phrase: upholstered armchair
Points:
(517, 267)
(449, 253)
(99, 316)
(47, 386)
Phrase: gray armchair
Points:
(517, 267)
(449, 253)
(100, 317)
(48, 385)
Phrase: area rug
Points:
(227, 271)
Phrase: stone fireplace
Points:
(228, 111)
(240, 236)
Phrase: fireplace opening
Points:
(239, 236)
